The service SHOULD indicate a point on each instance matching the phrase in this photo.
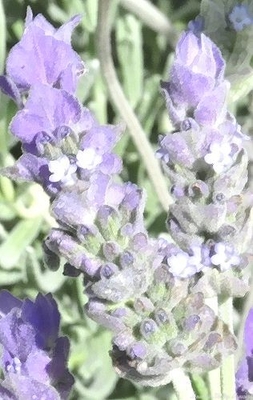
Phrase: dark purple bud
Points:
(190, 322)
(127, 230)
(62, 132)
(111, 250)
(188, 124)
(161, 316)
(213, 339)
(126, 259)
(105, 212)
(148, 327)
(143, 305)
(177, 191)
(139, 241)
(108, 270)
(70, 270)
(137, 350)
(82, 232)
(219, 198)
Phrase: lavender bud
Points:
(107, 270)
(111, 250)
(147, 328)
(137, 350)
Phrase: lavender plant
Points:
(152, 293)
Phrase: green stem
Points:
(151, 16)
(122, 105)
(214, 376)
(182, 385)
(228, 365)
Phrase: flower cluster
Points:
(210, 221)
(34, 356)
(149, 292)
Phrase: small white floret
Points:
(87, 158)
(219, 156)
(224, 257)
(62, 170)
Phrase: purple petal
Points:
(28, 168)
(9, 88)
(44, 317)
(44, 55)
(22, 387)
(248, 333)
(8, 302)
(16, 337)
(46, 109)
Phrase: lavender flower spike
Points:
(44, 55)
(34, 356)
(197, 80)
(206, 162)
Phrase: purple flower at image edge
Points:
(34, 357)
(244, 374)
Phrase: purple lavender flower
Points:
(197, 86)
(62, 141)
(244, 374)
(206, 163)
(34, 356)
(44, 55)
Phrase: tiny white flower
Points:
(196, 258)
(87, 158)
(240, 17)
(224, 257)
(62, 170)
(219, 156)
(180, 266)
